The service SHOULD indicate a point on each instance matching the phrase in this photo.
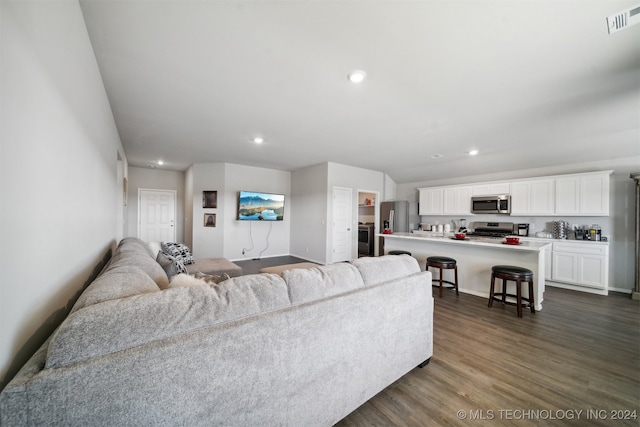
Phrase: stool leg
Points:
(519, 297)
(455, 271)
(440, 282)
(531, 297)
(504, 290)
(491, 292)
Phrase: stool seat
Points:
(399, 253)
(518, 275)
(444, 263)
(510, 269)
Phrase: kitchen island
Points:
(475, 257)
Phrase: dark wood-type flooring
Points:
(580, 353)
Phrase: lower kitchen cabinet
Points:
(584, 266)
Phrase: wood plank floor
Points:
(580, 353)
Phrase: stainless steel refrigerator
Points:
(395, 216)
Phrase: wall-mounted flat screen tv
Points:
(254, 206)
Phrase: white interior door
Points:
(342, 228)
(157, 215)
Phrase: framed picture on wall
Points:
(209, 220)
(209, 199)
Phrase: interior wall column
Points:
(636, 290)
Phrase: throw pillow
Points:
(178, 251)
(170, 265)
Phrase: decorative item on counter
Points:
(460, 236)
(511, 240)
(463, 226)
(447, 228)
(386, 231)
(595, 233)
(560, 229)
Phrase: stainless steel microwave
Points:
(500, 204)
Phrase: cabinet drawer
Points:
(581, 248)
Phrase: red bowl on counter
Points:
(513, 240)
(460, 236)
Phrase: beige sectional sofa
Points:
(305, 348)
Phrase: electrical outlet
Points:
(243, 252)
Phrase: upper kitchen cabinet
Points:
(431, 201)
(533, 197)
(583, 194)
(490, 189)
(457, 200)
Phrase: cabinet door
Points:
(592, 270)
(565, 267)
(457, 201)
(594, 194)
(535, 197)
(568, 195)
(431, 201)
(490, 189)
(542, 196)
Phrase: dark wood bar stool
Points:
(518, 275)
(444, 263)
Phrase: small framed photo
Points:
(209, 220)
(209, 199)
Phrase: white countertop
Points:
(447, 238)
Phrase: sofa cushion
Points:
(308, 284)
(376, 270)
(124, 323)
(118, 282)
(133, 244)
(144, 261)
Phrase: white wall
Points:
(259, 238)
(356, 179)
(208, 242)
(309, 213)
(58, 172)
(155, 179)
(619, 226)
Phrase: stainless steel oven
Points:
(365, 239)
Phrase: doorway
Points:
(157, 215)
(367, 222)
(341, 230)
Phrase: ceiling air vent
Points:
(623, 19)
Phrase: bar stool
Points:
(399, 253)
(444, 263)
(518, 275)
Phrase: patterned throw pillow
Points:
(179, 251)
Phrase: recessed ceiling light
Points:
(436, 156)
(473, 152)
(160, 162)
(258, 140)
(356, 76)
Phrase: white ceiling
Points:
(528, 83)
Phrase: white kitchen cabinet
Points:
(491, 188)
(583, 194)
(457, 200)
(533, 197)
(431, 201)
(581, 264)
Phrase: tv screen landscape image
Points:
(253, 206)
